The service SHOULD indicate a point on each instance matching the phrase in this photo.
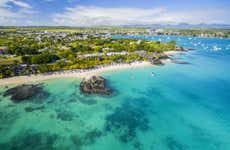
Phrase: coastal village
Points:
(33, 52)
(114, 75)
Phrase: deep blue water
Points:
(182, 107)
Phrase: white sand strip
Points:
(70, 73)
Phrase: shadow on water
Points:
(150, 92)
(27, 92)
(81, 98)
(65, 115)
(203, 136)
(31, 109)
(8, 117)
(127, 119)
(173, 144)
(197, 133)
(31, 140)
(87, 139)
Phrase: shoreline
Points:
(78, 73)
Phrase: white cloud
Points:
(21, 4)
(6, 3)
(9, 16)
(92, 15)
(3, 3)
(63, 0)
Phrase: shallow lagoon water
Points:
(182, 107)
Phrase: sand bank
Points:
(78, 73)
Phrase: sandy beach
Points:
(78, 73)
(173, 52)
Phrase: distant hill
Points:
(183, 25)
(179, 25)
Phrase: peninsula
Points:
(34, 55)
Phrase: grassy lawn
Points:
(63, 30)
(3, 41)
(8, 61)
(79, 29)
(8, 29)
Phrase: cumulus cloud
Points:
(63, 0)
(24, 14)
(6, 3)
(21, 4)
(92, 15)
(9, 16)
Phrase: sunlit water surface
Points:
(181, 107)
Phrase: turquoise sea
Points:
(182, 107)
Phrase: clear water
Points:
(182, 107)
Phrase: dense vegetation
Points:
(186, 31)
(29, 52)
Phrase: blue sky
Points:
(117, 12)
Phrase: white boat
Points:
(216, 48)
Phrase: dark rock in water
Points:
(190, 49)
(159, 56)
(156, 58)
(180, 62)
(157, 62)
(24, 92)
(180, 48)
(163, 56)
(95, 85)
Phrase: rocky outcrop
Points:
(180, 62)
(180, 48)
(156, 62)
(163, 56)
(156, 58)
(95, 85)
(24, 92)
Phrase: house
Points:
(107, 49)
(151, 31)
(141, 53)
(3, 50)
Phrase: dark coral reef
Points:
(25, 92)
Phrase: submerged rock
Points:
(126, 120)
(30, 140)
(95, 85)
(87, 139)
(180, 62)
(172, 143)
(64, 115)
(24, 92)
